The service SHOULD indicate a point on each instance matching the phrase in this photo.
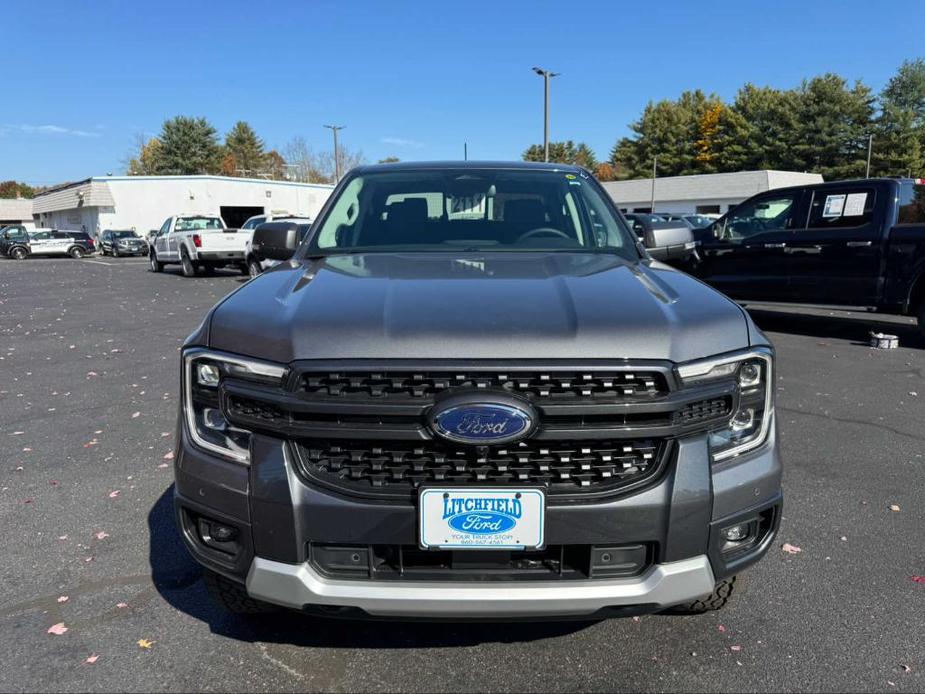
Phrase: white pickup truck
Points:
(198, 243)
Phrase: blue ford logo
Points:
(482, 422)
(482, 523)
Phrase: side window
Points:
(343, 216)
(912, 205)
(841, 208)
(770, 213)
(164, 227)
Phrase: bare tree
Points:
(348, 160)
(302, 163)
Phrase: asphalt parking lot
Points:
(88, 398)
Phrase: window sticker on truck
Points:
(834, 204)
(854, 204)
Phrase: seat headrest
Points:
(412, 210)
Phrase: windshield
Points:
(194, 223)
(470, 209)
(125, 234)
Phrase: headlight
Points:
(203, 372)
(753, 374)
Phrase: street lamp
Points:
(334, 129)
(546, 75)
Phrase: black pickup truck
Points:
(846, 243)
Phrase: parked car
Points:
(674, 217)
(666, 241)
(700, 221)
(472, 394)
(198, 243)
(14, 242)
(847, 243)
(255, 264)
(76, 244)
(116, 242)
(253, 222)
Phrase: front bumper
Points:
(279, 515)
(299, 586)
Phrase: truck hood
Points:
(476, 306)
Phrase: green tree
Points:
(563, 153)
(188, 146)
(247, 150)
(768, 121)
(15, 189)
(275, 165)
(833, 124)
(899, 133)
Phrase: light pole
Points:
(654, 174)
(546, 75)
(334, 129)
(870, 146)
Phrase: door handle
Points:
(775, 245)
(859, 244)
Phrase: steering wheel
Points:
(543, 231)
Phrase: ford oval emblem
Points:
(482, 422)
(482, 522)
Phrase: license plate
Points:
(482, 518)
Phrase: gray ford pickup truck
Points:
(469, 393)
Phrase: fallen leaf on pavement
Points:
(164, 465)
(91, 374)
(121, 605)
(735, 648)
(894, 507)
(92, 659)
(722, 629)
(136, 415)
(114, 494)
(88, 560)
(101, 535)
(145, 643)
(57, 629)
(168, 456)
(63, 598)
(62, 537)
(791, 549)
(918, 579)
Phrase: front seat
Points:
(406, 222)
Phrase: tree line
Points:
(188, 146)
(823, 126)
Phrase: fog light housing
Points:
(207, 374)
(736, 533)
(213, 419)
(744, 419)
(223, 533)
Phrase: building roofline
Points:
(195, 177)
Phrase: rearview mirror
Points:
(275, 240)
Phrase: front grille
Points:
(552, 385)
(361, 428)
(400, 468)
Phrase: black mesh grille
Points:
(402, 467)
(704, 410)
(551, 385)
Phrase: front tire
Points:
(232, 596)
(189, 270)
(252, 268)
(18, 253)
(714, 601)
(156, 265)
(76, 252)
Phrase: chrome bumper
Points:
(297, 585)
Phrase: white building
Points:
(704, 193)
(143, 203)
(16, 211)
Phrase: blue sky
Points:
(410, 79)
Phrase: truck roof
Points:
(468, 164)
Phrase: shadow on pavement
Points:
(855, 327)
(177, 579)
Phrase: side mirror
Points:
(275, 241)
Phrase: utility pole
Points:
(546, 75)
(870, 146)
(654, 173)
(465, 151)
(334, 129)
